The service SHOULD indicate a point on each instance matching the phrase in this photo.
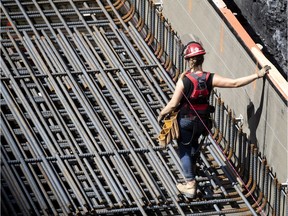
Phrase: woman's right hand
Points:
(263, 71)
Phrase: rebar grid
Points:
(81, 85)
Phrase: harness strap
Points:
(200, 95)
(199, 82)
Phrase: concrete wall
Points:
(263, 109)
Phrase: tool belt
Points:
(206, 119)
(170, 130)
(193, 117)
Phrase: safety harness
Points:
(199, 97)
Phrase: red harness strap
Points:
(200, 91)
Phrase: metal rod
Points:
(82, 90)
(229, 175)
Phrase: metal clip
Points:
(159, 5)
(240, 120)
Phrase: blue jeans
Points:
(190, 131)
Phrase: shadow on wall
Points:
(254, 117)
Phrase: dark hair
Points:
(198, 60)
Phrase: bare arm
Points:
(219, 81)
(175, 100)
(223, 82)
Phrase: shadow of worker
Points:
(254, 117)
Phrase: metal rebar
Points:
(229, 175)
(81, 92)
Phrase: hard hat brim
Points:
(194, 54)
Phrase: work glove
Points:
(263, 71)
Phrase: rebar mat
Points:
(80, 93)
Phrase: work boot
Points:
(189, 190)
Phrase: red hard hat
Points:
(193, 49)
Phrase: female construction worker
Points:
(191, 98)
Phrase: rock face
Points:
(268, 19)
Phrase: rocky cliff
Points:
(266, 21)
